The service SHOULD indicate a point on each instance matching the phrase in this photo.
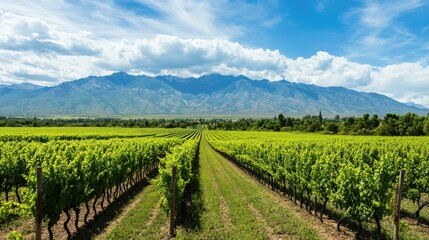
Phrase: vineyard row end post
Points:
(173, 202)
(397, 214)
(39, 204)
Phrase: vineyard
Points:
(356, 174)
(87, 171)
(89, 166)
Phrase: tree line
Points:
(98, 122)
(409, 124)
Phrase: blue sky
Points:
(367, 45)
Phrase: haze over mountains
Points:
(121, 94)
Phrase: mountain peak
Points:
(205, 84)
(119, 74)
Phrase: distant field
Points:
(82, 131)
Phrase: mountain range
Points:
(121, 94)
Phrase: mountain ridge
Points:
(123, 94)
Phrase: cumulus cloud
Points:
(406, 82)
(164, 50)
(32, 50)
(327, 70)
(20, 33)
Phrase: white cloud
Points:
(327, 70)
(204, 19)
(172, 52)
(45, 69)
(380, 35)
(21, 33)
(406, 82)
(381, 14)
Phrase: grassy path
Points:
(236, 207)
(143, 219)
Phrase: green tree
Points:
(411, 125)
(375, 122)
(332, 127)
(282, 120)
(337, 118)
(426, 125)
(391, 124)
(289, 122)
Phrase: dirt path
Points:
(122, 214)
(138, 219)
(236, 208)
(326, 230)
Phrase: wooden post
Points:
(39, 204)
(173, 203)
(397, 213)
(315, 205)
